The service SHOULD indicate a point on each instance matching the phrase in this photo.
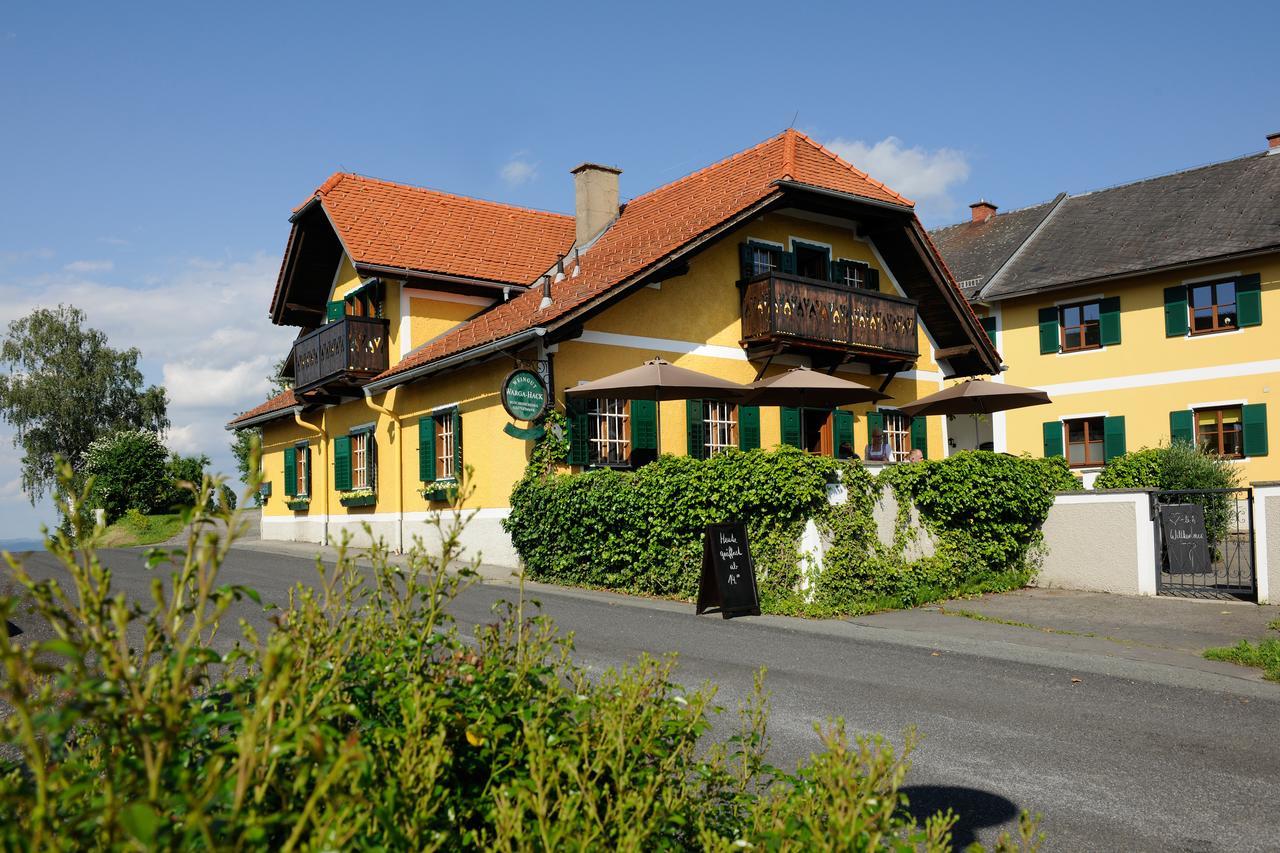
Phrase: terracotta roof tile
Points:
(279, 403)
(395, 225)
(658, 223)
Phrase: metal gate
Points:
(1204, 543)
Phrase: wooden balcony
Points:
(341, 355)
(782, 312)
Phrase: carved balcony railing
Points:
(346, 352)
(806, 313)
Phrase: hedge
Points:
(641, 531)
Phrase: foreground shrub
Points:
(364, 719)
(128, 472)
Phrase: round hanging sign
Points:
(524, 395)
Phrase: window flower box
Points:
(299, 504)
(359, 497)
(440, 490)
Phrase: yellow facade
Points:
(1147, 375)
(693, 320)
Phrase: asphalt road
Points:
(1115, 755)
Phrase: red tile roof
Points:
(658, 223)
(279, 403)
(394, 225)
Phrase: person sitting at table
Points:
(878, 449)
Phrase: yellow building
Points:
(1147, 311)
(415, 307)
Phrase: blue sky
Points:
(151, 152)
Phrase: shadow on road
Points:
(976, 809)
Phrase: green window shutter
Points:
(1112, 438)
(1254, 417)
(693, 428)
(342, 463)
(578, 436)
(426, 448)
(335, 311)
(790, 420)
(644, 425)
(920, 435)
(457, 443)
(787, 262)
(1050, 337)
(1109, 321)
(745, 260)
(989, 326)
(749, 427)
(875, 421)
(871, 279)
(1053, 439)
(842, 427)
(290, 471)
(1249, 300)
(1182, 426)
(307, 455)
(1175, 311)
(837, 271)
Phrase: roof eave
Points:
(897, 207)
(263, 418)
(454, 360)
(1102, 279)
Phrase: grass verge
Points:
(135, 529)
(1264, 655)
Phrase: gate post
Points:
(1148, 556)
(1266, 527)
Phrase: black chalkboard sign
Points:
(1185, 540)
(728, 573)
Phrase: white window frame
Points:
(443, 423)
(719, 426)
(360, 461)
(608, 433)
(302, 470)
(898, 439)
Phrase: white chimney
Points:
(595, 190)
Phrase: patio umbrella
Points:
(976, 397)
(659, 379)
(801, 386)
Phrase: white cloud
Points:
(519, 169)
(241, 385)
(84, 267)
(203, 332)
(113, 241)
(924, 176)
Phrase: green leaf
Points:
(140, 821)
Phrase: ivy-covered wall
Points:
(641, 531)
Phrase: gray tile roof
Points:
(1196, 215)
(976, 250)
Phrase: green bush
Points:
(179, 470)
(641, 531)
(1180, 465)
(364, 719)
(128, 470)
(984, 511)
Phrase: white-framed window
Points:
(854, 275)
(608, 433)
(445, 457)
(302, 471)
(720, 423)
(897, 432)
(360, 461)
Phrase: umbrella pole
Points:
(977, 433)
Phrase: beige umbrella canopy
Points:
(976, 397)
(801, 386)
(659, 379)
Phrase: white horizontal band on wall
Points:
(382, 517)
(1168, 377)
